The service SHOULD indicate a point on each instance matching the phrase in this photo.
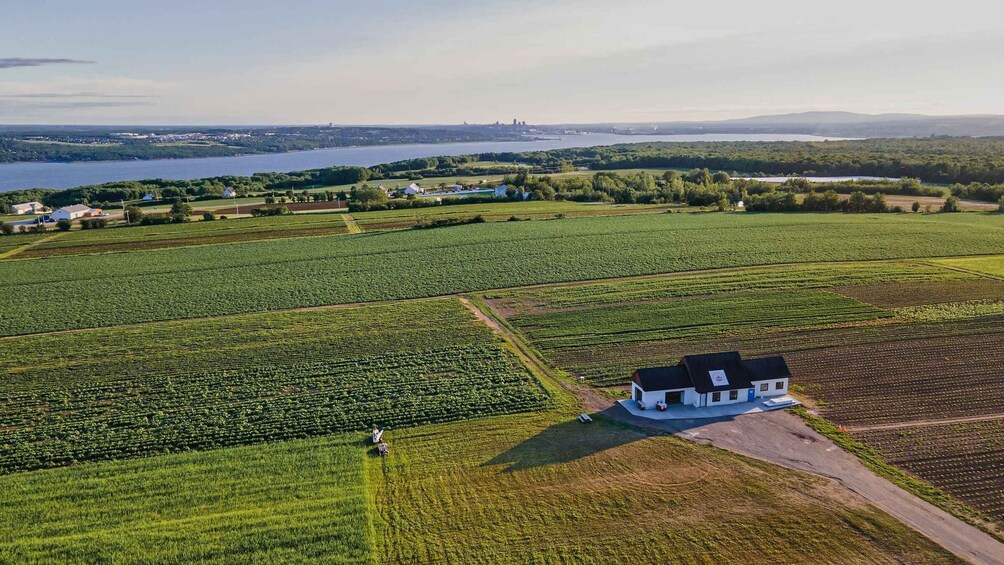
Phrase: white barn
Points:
(712, 379)
(149, 197)
(501, 190)
(74, 212)
(32, 207)
(229, 192)
(412, 189)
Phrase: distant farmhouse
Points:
(75, 212)
(411, 190)
(230, 192)
(27, 208)
(710, 380)
(149, 197)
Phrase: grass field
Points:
(547, 489)
(164, 387)
(278, 503)
(117, 288)
(992, 266)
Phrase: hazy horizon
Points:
(447, 62)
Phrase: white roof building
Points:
(74, 212)
(412, 189)
(500, 190)
(32, 207)
(229, 192)
(149, 196)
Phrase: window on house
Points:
(716, 397)
(779, 385)
(763, 387)
(733, 395)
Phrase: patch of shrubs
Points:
(262, 212)
(446, 222)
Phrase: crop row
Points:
(236, 343)
(909, 380)
(680, 318)
(789, 277)
(966, 459)
(143, 415)
(119, 288)
(925, 292)
(612, 364)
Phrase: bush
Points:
(951, 204)
(208, 216)
(446, 222)
(915, 207)
(261, 212)
(64, 225)
(6, 229)
(156, 220)
(134, 214)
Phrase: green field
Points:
(193, 233)
(537, 488)
(498, 211)
(283, 502)
(120, 288)
(165, 387)
(646, 321)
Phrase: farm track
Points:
(22, 249)
(351, 224)
(923, 423)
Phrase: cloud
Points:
(74, 95)
(12, 62)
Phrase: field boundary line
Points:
(351, 224)
(544, 372)
(923, 423)
(27, 246)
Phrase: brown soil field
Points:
(965, 459)
(918, 293)
(182, 242)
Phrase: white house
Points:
(27, 208)
(149, 197)
(500, 190)
(412, 189)
(711, 380)
(229, 192)
(74, 212)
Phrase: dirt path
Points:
(351, 224)
(481, 315)
(31, 245)
(920, 423)
(784, 439)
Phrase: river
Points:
(14, 176)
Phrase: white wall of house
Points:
(772, 387)
(742, 395)
(67, 215)
(651, 397)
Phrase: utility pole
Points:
(125, 212)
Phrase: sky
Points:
(445, 62)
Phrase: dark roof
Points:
(662, 378)
(700, 367)
(695, 371)
(767, 368)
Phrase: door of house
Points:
(674, 397)
(750, 395)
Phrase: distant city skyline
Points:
(446, 62)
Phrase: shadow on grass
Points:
(568, 441)
(565, 442)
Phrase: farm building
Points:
(74, 212)
(411, 189)
(149, 197)
(27, 208)
(711, 380)
(229, 192)
(501, 190)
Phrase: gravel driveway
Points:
(784, 439)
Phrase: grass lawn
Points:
(549, 489)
